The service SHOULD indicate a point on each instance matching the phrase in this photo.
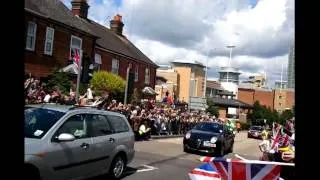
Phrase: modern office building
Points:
(291, 75)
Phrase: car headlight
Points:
(213, 139)
(188, 135)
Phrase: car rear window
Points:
(118, 124)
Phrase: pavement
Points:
(159, 159)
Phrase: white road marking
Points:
(147, 168)
(242, 158)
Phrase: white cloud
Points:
(167, 30)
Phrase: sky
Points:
(189, 30)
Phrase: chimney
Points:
(116, 25)
(80, 8)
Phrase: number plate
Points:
(208, 144)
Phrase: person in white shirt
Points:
(89, 93)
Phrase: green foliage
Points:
(259, 113)
(212, 109)
(285, 115)
(104, 81)
(60, 80)
(83, 88)
(293, 109)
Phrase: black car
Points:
(255, 132)
(209, 137)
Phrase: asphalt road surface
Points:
(164, 158)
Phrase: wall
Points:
(222, 112)
(246, 95)
(290, 100)
(249, 96)
(184, 82)
(41, 65)
(106, 58)
(199, 75)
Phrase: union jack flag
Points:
(242, 170)
(75, 56)
(204, 172)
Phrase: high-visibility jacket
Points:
(142, 129)
(264, 134)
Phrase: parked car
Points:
(64, 142)
(255, 132)
(209, 137)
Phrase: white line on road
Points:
(242, 158)
(147, 168)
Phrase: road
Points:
(164, 158)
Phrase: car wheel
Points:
(118, 166)
(220, 151)
(185, 149)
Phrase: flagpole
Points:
(78, 77)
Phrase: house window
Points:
(48, 45)
(147, 76)
(97, 62)
(136, 75)
(280, 104)
(115, 66)
(75, 47)
(31, 36)
(280, 97)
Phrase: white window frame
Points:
(147, 76)
(99, 65)
(49, 41)
(112, 68)
(71, 46)
(136, 74)
(72, 36)
(33, 35)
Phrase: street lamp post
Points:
(230, 57)
(127, 84)
(206, 75)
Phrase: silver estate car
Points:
(65, 142)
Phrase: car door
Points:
(71, 159)
(123, 135)
(103, 142)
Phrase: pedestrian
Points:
(238, 127)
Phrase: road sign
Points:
(197, 103)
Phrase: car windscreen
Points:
(211, 127)
(256, 128)
(38, 121)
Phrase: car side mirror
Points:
(66, 137)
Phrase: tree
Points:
(259, 113)
(285, 115)
(104, 81)
(60, 80)
(212, 109)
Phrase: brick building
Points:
(54, 32)
(274, 99)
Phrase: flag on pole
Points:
(75, 56)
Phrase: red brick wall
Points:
(246, 96)
(106, 58)
(222, 112)
(40, 64)
(290, 99)
(264, 97)
(249, 96)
